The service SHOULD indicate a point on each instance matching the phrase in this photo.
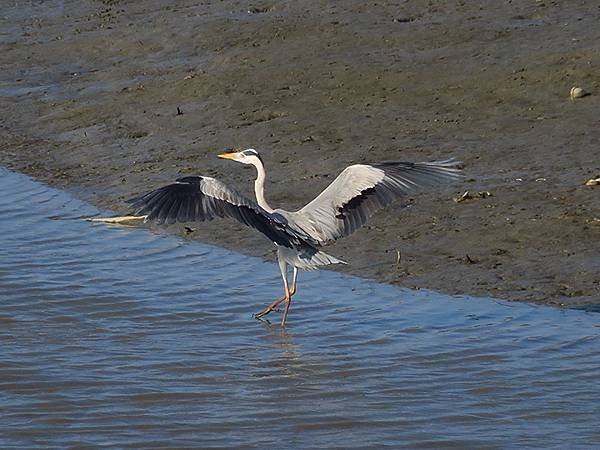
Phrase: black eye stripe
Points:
(252, 152)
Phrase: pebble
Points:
(577, 92)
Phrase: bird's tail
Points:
(308, 258)
(323, 259)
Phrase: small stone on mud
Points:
(593, 181)
(577, 92)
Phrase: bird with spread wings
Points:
(343, 207)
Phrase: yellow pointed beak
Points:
(227, 155)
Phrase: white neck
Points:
(259, 186)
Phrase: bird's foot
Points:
(272, 307)
(264, 312)
(264, 320)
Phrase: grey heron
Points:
(343, 207)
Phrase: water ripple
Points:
(126, 337)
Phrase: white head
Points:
(251, 156)
(248, 156)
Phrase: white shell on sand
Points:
(577, 92)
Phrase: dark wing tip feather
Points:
(409, 176)
(400, 178)
(199, 199)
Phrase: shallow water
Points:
(124, 337)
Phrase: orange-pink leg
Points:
(289, 300)
(271, 307)
(287, 297)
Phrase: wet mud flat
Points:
(113, 98)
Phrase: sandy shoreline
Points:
(90, 95)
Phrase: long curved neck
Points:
(259, 187)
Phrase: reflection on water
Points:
(124, 337)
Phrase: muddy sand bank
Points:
(113, 98)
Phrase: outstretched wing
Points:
(360, 190)
(192, 199)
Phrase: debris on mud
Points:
(593, 181)
(467, 195)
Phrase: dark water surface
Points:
(122, 337)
